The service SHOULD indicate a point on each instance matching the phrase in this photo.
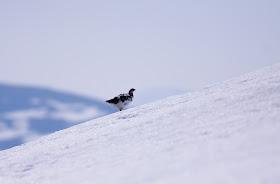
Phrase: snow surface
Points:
(226, 133)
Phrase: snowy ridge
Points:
(226, 133)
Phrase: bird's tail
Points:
(110, 101)
(113, 101)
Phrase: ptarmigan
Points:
(122, 100)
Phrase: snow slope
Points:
(226, 133)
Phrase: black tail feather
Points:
(114, 100)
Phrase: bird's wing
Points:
(123, 98)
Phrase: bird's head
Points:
(131, 91)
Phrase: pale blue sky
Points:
(102, 48)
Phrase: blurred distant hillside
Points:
(27, 113)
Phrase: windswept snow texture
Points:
(27, 113)
(226, 133)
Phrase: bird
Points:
(122, 100)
